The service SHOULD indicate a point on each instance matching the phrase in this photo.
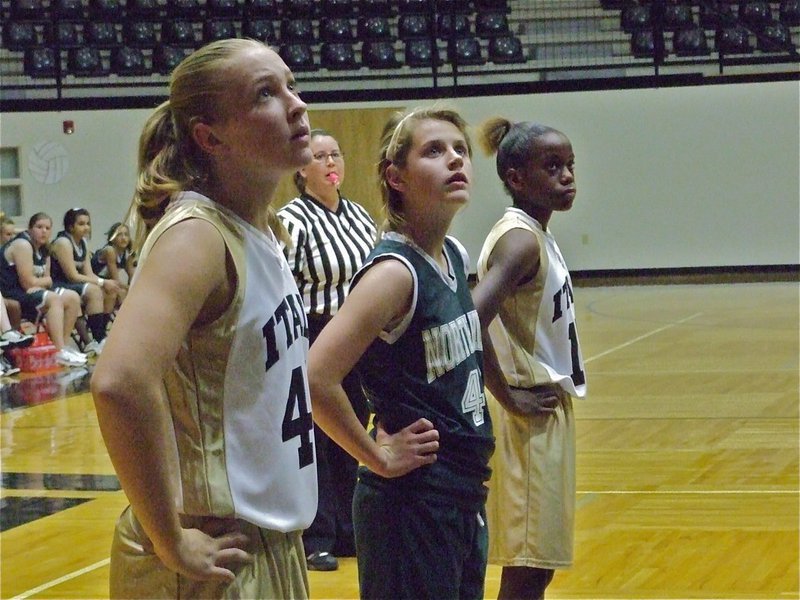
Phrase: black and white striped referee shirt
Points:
(327, 249)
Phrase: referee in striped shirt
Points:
(330, 238)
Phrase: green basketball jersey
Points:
(431, 365)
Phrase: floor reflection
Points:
(26, 390)
(59, 481)
(30, 389)
(18, 511)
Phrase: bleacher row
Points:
(143, 38)
(140, 37)
(730, 25)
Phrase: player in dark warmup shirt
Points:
(410, 324)
(72, 270)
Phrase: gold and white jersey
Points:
(238, 391)
(549, 351)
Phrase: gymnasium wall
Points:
(677, 177)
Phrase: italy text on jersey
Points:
(288, 324)
(562, 301)
(291, 317)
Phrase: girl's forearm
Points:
(335, 415)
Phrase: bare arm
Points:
(110, 256)
(21, 254)
(61, 250)
(127, 389)
(110, 286)
(514, 260)
(380, 298)
(130, 265)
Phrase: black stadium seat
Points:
(677, 16)
(465, 51)
(714, 15)
(635, 18)
(86, 62)
(755, 13)
(380, 8)
(105, 10)
(338, 56)
(179, 33)
(28, 9)
(177, 9)
(143, 8)
(298, 56)
(734, 40)
(501, 5)
(453, 25)
(139, 34)
(19, 35)
(337, 29)
(102, 34)
(414, 26)
(67, 9)
(379, 54)
(219, 29)
(775, 37)
(414, 7)
(644, 43)
(690, 41)
(297, 30)
(298, 9)
(166, 58)
(41, 62)
(374, 27)
(260, 29)
(506, 50)
(491, 24)
(338, 8)
(126, 60)
(67, 35)
(224, 8)
(261, 9)
(790, 12)
(422, 53)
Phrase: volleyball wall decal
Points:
(48, 162)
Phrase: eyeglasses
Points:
(324, 156)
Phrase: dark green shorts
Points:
(413, 548)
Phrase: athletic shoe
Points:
(321, 561)
(94, 348)
(76, 354)
(6, 368)
(69, 358)
(15, 339)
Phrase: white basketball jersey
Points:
(534, 332)
(238, 391)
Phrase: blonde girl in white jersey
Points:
(202, 391)
(210, 159)
(177, 424)
(525, 299)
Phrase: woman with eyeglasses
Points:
(330, 238)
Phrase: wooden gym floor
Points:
(687, 457)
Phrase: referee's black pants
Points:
(332, 528)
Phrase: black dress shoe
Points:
(321, 561)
